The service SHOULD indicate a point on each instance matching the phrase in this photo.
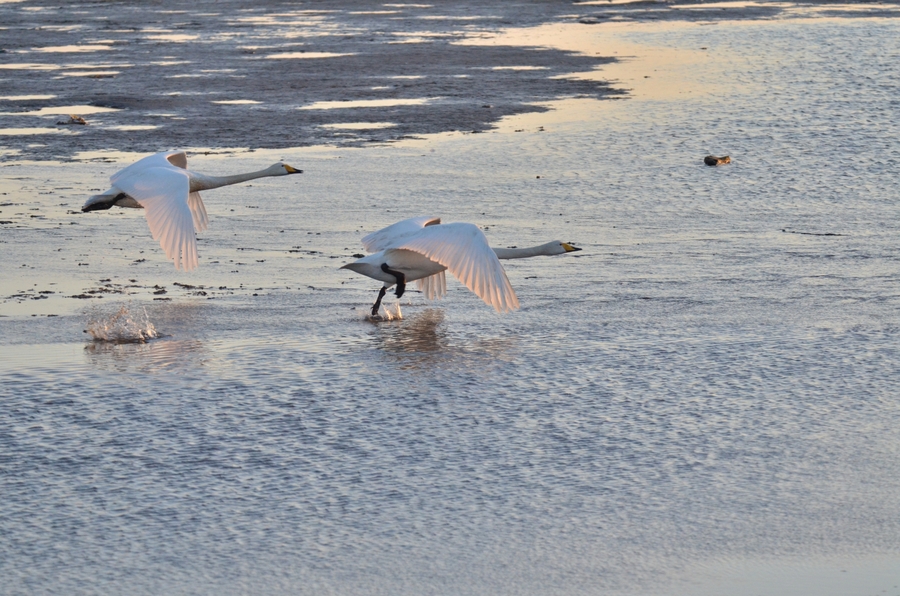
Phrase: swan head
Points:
(559, 248)
(282, 169)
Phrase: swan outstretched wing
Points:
(163, 192)
(198, 212)
(390, 236)
(177, 159)
(463, 249)
(157, 160)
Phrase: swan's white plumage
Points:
(168, 192)
(198, 212)
(163, 192)
(461, 248)
(433, 286)
(421, 249)
(389, 237)
(167, 159)
(161, 184)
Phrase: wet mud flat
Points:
(269, 74)
(150, 76)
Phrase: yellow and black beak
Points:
(569, 247)
(291, 170)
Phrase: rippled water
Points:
(702, 401)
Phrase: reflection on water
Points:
(91, 73)
(308, 55)
(236, 102)
(73, 49)
(424, 341)
(364, 103)
(60, 110)
(157, 356)
(360, 125)
(25, 97)
(29, 66)
(419, 333)
(11, 132)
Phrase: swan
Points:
(420, 249)
(169, 193)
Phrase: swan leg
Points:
(401, 278)
(378, 302)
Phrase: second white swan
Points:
(421, 249)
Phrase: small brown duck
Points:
(712, 160)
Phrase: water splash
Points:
(123, 326)
(388, 315)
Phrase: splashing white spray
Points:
(393, 316)
(388, 315)
(123, 326)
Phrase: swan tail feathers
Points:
(433, 286)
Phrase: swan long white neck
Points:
(204, 182)
(550, 248)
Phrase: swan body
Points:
(421, 249)
(169, 193)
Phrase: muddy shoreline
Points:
(231, 74)
(150, 76)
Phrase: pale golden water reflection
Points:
(364, 103)
(307, 55)
(73, 49)
(360, 125)
(13, 132)
(646, 71)
(25, 97)
(82, 109)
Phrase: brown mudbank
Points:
(712, 160)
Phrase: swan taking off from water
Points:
(421, 249)
(169, 193)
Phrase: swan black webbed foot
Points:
(401, 278)
(401, 287)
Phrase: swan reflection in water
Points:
(424, 341)
(422, 332)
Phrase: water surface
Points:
(702, 401)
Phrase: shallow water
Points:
(702, 401)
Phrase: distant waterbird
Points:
(421, 249)
(169, 193)
(712, 160)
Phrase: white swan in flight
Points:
(421, 249)
(169, 193)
